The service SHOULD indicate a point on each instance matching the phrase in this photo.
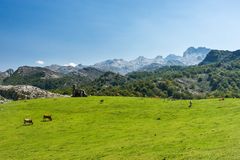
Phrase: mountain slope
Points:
(115, 65)
(89, 72)
(217, 56)
(44, 73)
(47, 79)
(5, 74)
(36, 76)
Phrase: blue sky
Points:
(89, 31)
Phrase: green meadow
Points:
(120, 128)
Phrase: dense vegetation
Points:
(120, 128)
(216, 80)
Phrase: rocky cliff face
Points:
(24, 92)
(193, 56)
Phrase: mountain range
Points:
(192, 56)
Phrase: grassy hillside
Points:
(120, 128)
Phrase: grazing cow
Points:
(190, 104)
(78, 92)
(47, 117)
(28, 121)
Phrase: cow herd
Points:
(48, 117)
(29, 121)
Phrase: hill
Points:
(45, 78)
(120, 128)
(219, 56)
(36, 76)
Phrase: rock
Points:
(3, 100)
(78, 92)
(25, 92)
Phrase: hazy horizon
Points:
(41, 33)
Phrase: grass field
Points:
(120, 128)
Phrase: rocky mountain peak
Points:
(7, 73)
(193, 56)
(200, 51)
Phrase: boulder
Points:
(3, 100)
(24, 92)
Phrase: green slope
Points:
(121, 128)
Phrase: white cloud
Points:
(71, 64)
(40, 62)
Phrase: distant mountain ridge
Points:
(192, 56)
(64, 69)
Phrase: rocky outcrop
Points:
(24, 92)
(3, 100)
